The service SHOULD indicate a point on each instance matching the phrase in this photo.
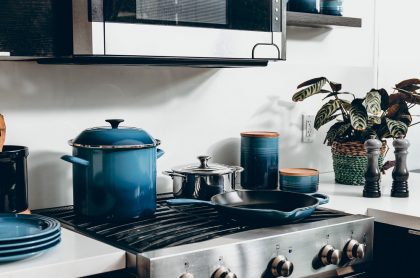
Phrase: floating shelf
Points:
(320, 20)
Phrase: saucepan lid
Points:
(205, 168)
(114, 137)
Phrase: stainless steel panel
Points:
(176, 41)
(247, 254)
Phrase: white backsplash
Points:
(193, 111)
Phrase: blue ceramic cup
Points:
(260, 160)
(300, 180)
(331, 7)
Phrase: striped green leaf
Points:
(374, 120)
(336, 130)
(310, 90)
(373, 102)
(310, 82)
(396, 128)
(369, 133)
(326, 112)
(358, 115)
(382, 130)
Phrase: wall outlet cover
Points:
(308, 129)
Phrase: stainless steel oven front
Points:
(231, 29)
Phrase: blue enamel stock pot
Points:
(114, 172)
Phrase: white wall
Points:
(399, 56)
(193, 111)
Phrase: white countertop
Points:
(78, 255)
(404, 212)
(75, 256)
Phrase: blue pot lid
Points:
(114, 137)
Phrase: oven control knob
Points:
(281, 267)
(328, 255)
(223, 272)
(187, 275)
(354, 250)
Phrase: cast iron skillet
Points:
(263, 207)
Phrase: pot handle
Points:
(160, 152)
(173, 174)
(180, 202)
(236, 170)
(322, 198)
(75, 160)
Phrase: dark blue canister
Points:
(260, 160)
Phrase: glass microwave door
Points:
(251, 15)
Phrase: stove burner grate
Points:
(170, 226)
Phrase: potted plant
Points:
(378, 114)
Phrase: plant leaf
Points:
(324, 114)
(331, 94)
(369, 133)
(410, 88)
(346, 104)
(373, 102)
(382, 131)
(400, 112)
(336, 130)
(374, 120)
(384, 99)
(408, 82)
(309, 91)
(335, 86)
(405, 96)
(358, 115)
(311, 81)
(396, 128)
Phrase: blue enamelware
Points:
(260, 160)
(31, 247)
(261, 207)
(22, 228)
(114, 172)
(301, 180)
(15, 256)
(30, 242)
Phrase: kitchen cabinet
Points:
(40, 28)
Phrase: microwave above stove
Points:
(153, 30)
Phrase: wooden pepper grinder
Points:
(373, 175)
(400, 173)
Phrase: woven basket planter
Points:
(350, 161)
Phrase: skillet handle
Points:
(322, 198)
(180, 202)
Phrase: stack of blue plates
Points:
(22, 236)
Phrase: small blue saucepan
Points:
(114, 172)
(262, 207)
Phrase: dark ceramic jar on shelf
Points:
(331, 7)
(304, 6)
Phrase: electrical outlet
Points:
(308, 130)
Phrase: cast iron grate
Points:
(170, 226)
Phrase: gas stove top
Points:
(195, 241)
